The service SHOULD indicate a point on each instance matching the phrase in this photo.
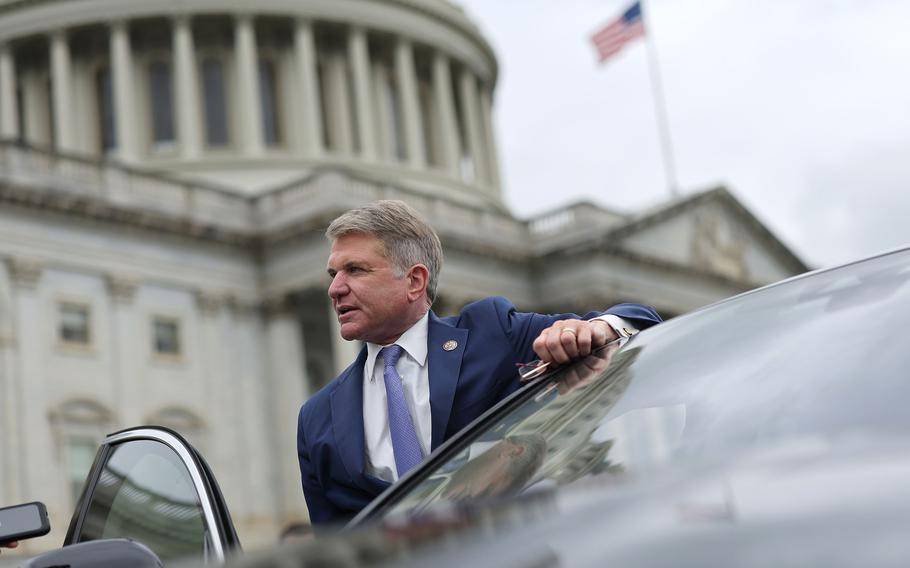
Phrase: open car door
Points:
(150, 485)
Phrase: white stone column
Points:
(310, 115)
(339, 110)
(489, 139)
(124, 99)
(186, 87)
(9, 397)
(410, 107)
(125, 353)
(247, 63)
(445, 111)
(62, 94)
(343, 351)
(288, 389)
(29, 430)
(216, 371)
(248, 364)
(471, 119)
(9, 127)
(359, 56)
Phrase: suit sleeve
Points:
(642, 317)
(522, 328)
(319, 508)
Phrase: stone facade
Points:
(166, 172)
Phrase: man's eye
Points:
(354, 269)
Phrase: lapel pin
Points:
(450, 345)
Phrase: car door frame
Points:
(223, 536)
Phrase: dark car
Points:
(771, 429)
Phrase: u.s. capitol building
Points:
(166, 172)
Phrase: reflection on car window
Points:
(146, 493)
(553, 438)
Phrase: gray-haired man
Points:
(419, 378)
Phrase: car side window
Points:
(146, 493)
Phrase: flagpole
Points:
(660, 109)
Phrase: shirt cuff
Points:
(621, 326)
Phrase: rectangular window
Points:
(105, 96)
(216, 127)
(268, 99)
(166, 336)
(395, 117)
(430, 128)
(161, 97)
(74, 324)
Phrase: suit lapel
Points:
(445, 367)
(347, 418)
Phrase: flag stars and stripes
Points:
(617, 34)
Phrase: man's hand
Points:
(570, 339)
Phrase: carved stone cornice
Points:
(279, 306)
(122, 288)
(209, 303)
(242, 307)
(25, 273)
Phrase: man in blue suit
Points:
(419, 378)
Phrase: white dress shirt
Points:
(413, 368)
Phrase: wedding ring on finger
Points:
(567, 329)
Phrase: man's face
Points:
(370, 302)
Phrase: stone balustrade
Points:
(109, 188)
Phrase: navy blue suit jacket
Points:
(465, 382)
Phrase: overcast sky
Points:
(800, 108)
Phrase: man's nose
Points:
(337, 287)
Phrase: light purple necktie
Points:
(404, 438)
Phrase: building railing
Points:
(562, 227)
(327, 192)
(311, 201)
(72, 177)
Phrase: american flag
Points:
(626, 28)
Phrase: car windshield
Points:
(802, 366)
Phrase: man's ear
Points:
(418, 279)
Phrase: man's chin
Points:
(349, 332)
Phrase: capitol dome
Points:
(252, 95)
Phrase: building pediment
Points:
(713, 232)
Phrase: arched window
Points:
(162, 102)
(268, 100)
(215, 98)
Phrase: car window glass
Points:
(811, 365)
(146, 493)
(546, 440)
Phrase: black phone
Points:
(20, 522)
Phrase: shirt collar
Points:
(413, 341)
